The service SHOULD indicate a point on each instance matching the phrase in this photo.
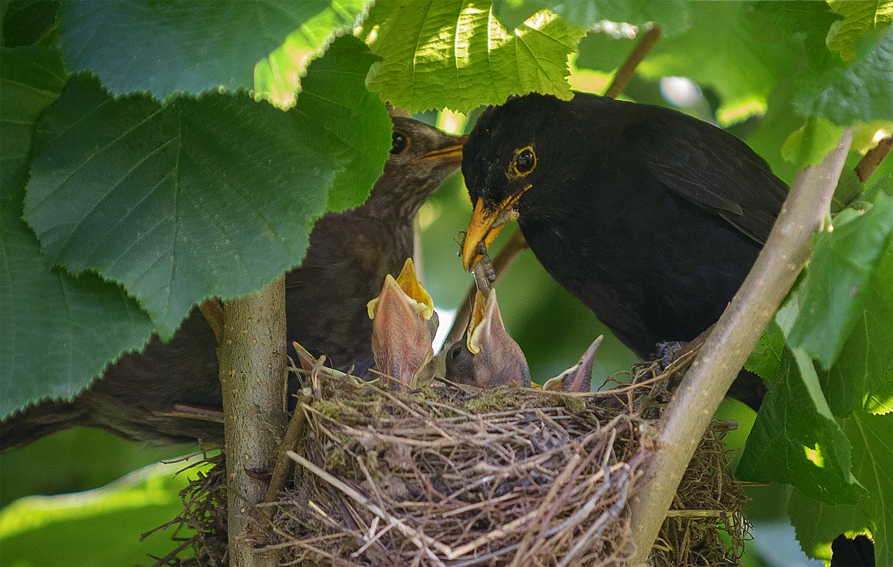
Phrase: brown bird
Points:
(170, 392)
(403, 327)
(486, 356)
(577, 378)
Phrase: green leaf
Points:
(167, 46)
(859, 17)
(671, 15)
(795, 439)
(277, 77)
(455, 54)
(854, 381)
(811, 143)
(766, 356)
(861, 90)
(81, 526)
(84, 321)
(837, 287)
(57, 332)
(818, 523)
(881, 401)
(31, 78)
(27, 22)
(207, 197)
(741, 69)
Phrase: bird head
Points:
(502, 161)
(486, 356)
(577, 378)
(403, 327)
(421, 159)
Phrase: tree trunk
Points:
(253, 377)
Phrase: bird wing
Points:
(712, 169)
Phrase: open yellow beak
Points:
(484, 226)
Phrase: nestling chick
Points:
(403, 327)
(486, 356)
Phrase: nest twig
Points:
(452, 476)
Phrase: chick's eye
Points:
(525, 161)
(398, 143)
(455, 352)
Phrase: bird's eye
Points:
(455, 352)
(525, 161)
(398, 143)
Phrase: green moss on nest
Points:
(494, 400)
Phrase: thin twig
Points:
(419, 539)
(873, 158)
(626, 71)
(292, 436)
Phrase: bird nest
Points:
(454, 476)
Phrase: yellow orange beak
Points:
(484, 226)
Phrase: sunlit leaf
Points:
(456, 54)
(838, 285)
(859, 17)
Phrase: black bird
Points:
(486, 356)
(649, 217)
(170, 392)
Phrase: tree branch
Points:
(873, 158)
(737, 332)
(252, 378)
(626, 71)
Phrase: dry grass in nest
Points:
(453, 476)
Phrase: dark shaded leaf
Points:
(164, 47)
(31, 78)
(207, 197)
(861, 90)
(859, 372)
(795, 439)
(57, 332)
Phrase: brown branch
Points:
(737, 332)
(289, 441)
(212, 309)
(873, 158)
(252, 378)
(626, 71)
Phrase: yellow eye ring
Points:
(524, 161)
